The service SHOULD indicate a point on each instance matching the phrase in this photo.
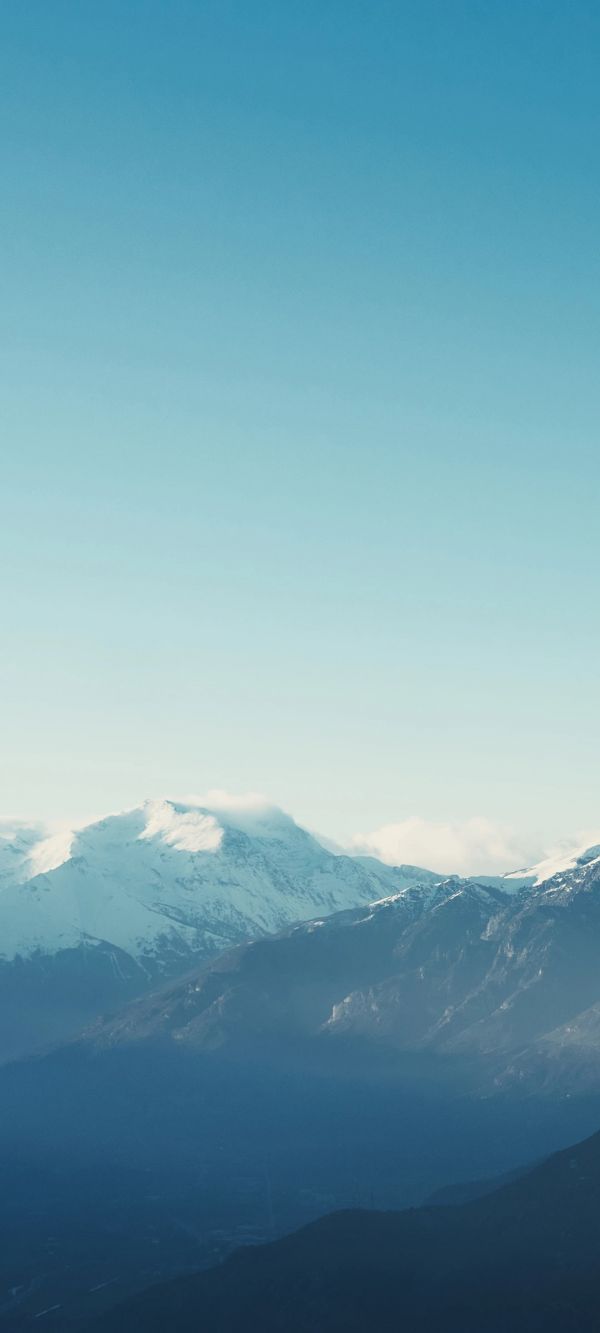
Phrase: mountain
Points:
(505, 985)
(524, 1257)
(167, 878)
(92, 917)
(319, 979)
(372, 1057)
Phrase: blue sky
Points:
(300, 399)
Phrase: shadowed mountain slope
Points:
(509, 984)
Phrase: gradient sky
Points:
(300, 404)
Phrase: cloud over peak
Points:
(463, 847)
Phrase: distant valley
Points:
(523, 1257)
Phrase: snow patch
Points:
(184, 830)
(50, 853)
(561, 861)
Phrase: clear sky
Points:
(300, 314)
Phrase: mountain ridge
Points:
(508, 983)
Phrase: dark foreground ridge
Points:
(524, 1258)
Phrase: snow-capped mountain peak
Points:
(168, 878)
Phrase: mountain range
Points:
(92, 917)
(505, 985)
(271, 1031)
(499, 966)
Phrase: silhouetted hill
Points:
(524, 1258)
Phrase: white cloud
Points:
(11, 827)
(469, 847)
(219, 800)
